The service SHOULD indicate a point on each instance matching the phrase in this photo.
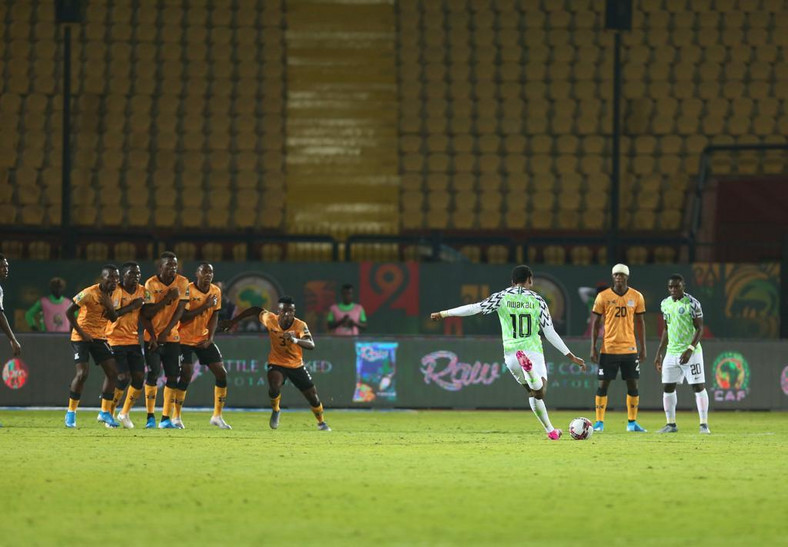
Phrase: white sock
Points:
(702, 400)
(669, 401)
(537, 405)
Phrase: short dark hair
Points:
(168, 254)
(204, 263)
(521, 274)
(126, 266)
(347, 286)
(2, 257)
(57, 282)
(287, 300)
(677, 277)
(108, 267)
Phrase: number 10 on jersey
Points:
(521, 325)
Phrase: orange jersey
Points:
(91, 316)
(196, 330)
(284, 353)
(155, 291)
(619, 315)
(125, 331)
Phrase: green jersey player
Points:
(523, 315)
(684, 358)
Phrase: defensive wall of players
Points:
(421, 372)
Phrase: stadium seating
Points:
(161, 94)
(494, 93)
(491, 116)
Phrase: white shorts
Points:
(674, 373)
(539, 367)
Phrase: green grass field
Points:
(385, 478)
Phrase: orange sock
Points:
(131, 399)
(116, 397)
(150, 398)
(275, 403)
(632, 407)
(180, 396)
(106, 405)
(169, 401)
(601, 407)
(73, 404)
(318, 412)
(219, 397)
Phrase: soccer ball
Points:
(581, 429)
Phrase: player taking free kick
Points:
(523, 314)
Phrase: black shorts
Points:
(129, 358)
(98, 349)
(167, 355)
(206, 356)
(298, 376)
(609, 363)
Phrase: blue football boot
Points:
(599, 426)
(71, 419)
(634, 426)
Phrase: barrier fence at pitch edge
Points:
(739, 300)
(417, 372)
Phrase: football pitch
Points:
(393, 478)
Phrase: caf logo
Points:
(731, 377)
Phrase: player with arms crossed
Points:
(684, 359)
(623, 309)
(89, 339)
(523, 314)
(289, 337)
(166, 295)
(198, 326)
(123, 337)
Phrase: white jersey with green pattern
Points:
(523, 314)
(679, 315)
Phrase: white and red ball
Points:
(581, 429)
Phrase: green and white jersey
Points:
(679, 316)
(523, 314)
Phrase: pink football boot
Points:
(554, 435)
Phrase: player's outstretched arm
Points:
(254, 311)
(461, 311)
(555, 339)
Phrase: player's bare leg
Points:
(317, 407)
(219, 394)
(275, 382)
